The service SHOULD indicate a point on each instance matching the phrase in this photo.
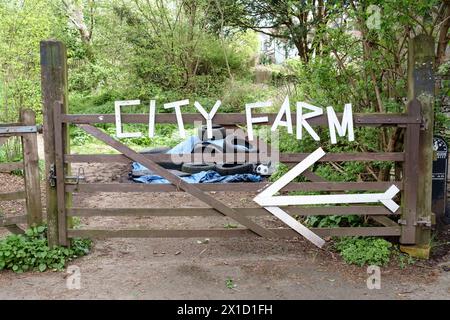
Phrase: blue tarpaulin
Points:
(202, 177)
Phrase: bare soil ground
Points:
(186, 269)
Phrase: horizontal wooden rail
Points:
(384, 221)
(206, 212)
(283, 157)
(231, 187)
(8, 221)
(367, 119)
(11, 166)
(228, 233)
(16, 195)
(13, 124)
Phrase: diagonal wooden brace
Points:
(177, 181)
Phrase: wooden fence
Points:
(26, 129)
(410, 121)
(58, 159)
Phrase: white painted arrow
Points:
(270, 202)
(267, 198)
(297, 226)
(385, 198)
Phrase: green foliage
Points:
(403, 259)
(280, 170)
(364, 250)
(236, 93)
(229, 283)
(79, 137)
(22, 26)
(11, 150)
(30, 252)
(334, 221)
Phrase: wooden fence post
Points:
(421, 85)
(54, 89)
(31, 170)
(410, 178)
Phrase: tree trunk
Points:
(443, 35)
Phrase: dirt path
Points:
(186, 269)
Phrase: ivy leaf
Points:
(42, 267)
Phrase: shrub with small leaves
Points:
(364, 250)
(30, 251)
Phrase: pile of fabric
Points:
(141, 174)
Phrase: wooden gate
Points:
(58, 160)
(26, 129)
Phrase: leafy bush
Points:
(79, 137)
(334, 221)
(30, 251)
(368, 250)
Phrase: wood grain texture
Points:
(206, 212)
(54, 88)
(284, 157)
(11, 166)
(232, 187)
(229, 233)
(16, 195)
(373, 119)
(31, 170)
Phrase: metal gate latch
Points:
(52, 176)
(425, 222)
(76, 179)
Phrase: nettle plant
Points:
(364, 250)
(30, 251)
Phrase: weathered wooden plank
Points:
(410, 176)
(15, 229)
(18, 130)
(385, 221)
(16, 195)
(11, 166)
(11, 124)
(177, 181)
(228, 233)
(232, 187)
(31, 171)
(284, 157)
(54, 88)
(368, 119)
(8, 221)
(60, 175)
(312, 176)
(357, 231)
(421, 86)
(205, 212)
